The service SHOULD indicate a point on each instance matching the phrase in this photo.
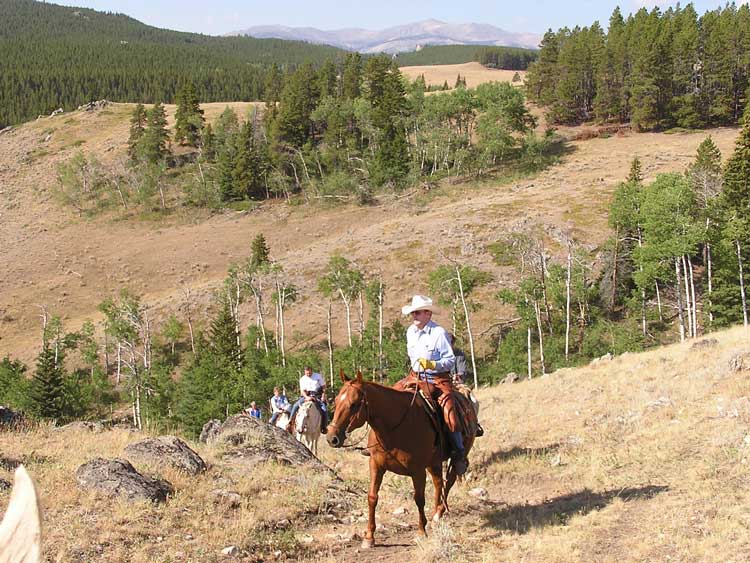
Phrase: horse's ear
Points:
(344, 379)
(359, 377)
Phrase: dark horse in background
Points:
(402, 439)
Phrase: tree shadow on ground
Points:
(557, 511)
(506, 455)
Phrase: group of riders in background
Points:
(435, 363)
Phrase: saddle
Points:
(466, 415)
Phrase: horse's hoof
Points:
(368, 544)
(436, 517)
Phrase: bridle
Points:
(354, 411)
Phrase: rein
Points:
(368, 415)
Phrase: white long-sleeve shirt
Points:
(430, 343)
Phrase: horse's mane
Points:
(20, 531)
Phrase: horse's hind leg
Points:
(419, 479)
(437, 482)
(376, 479)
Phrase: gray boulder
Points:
(209, 431)
(83, 425)
(10, 419)
(118, 477)
(167, 449)
(249, 441)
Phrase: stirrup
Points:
(480, 431)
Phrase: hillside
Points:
(52, 257)
(64, 57)
(639, 458)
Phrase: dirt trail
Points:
(49, 256)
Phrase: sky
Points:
(218, 17)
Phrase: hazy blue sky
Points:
(216, 17)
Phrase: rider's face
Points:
(421, 318)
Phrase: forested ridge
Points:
(655, 70)
(508, 58)
(55, 56)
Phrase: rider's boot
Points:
(458, 456)
(480, 430)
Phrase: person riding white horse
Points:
(279, 406)
(307, 426)
(312, 388)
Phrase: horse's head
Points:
(351, 410)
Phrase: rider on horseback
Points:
(431, 357)
(279, 404)
(312, 386)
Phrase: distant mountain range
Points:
(401, 38)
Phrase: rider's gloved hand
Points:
(424, 363)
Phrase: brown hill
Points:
(52, 257)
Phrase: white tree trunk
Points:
(348, 316)
(567, 303)
(709, 263)
(692, 297)
(330, 342)
(678, 292)
(528, 351)
(688, 309)
(468, 324)
(381, 299)
(361, 318)
(538, 312)
(742, 283)
(658, 300)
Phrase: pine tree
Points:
(188, 117)
(222, 338)
(137, 128)
(48, 384)
(153, 144)
(352, 76)
(386, 93)
(542, 75)
(260, 255)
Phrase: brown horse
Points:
(402, 440)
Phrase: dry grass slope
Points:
(640, 458)
(52, 257)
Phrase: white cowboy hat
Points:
(418, 303)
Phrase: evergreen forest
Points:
(654, 70)
(508, 58)
(59, 57)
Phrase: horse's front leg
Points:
(437, 481)
(376, 479)
(419, 480)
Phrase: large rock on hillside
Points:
(10, 419)
(167, 449)
(118, 477)
(250, 441)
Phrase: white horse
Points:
(21, 529)
(282, 421)
(307, 425)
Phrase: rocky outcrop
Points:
(10, 419)
(83, 426)
(209, 430)
(118, 477)
(249, 441)
(166, 450)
